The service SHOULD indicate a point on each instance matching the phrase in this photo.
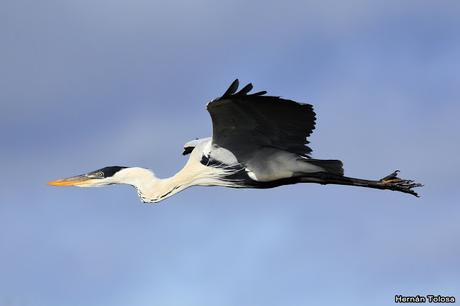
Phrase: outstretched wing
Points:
(244, 122)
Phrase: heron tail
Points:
(332, 166)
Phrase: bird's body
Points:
(258, 142)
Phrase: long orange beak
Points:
(71, 181)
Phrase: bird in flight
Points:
(258, 141)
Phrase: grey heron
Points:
(258, 141)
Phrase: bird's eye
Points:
(98, 174)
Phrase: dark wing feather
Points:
(245, 122)
(232, 89)
(245, 90)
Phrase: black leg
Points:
(389, 182)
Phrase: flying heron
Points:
(258, 141)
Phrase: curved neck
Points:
(159, 189)
(149, 187)
(153, 189)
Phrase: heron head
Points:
(105, 176)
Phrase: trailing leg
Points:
(390, 182)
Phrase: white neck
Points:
(153, 189)
(148, 186)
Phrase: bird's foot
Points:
(393, 182)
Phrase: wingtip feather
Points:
(245, 90)
(232, 89)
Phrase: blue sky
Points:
(86, 84)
